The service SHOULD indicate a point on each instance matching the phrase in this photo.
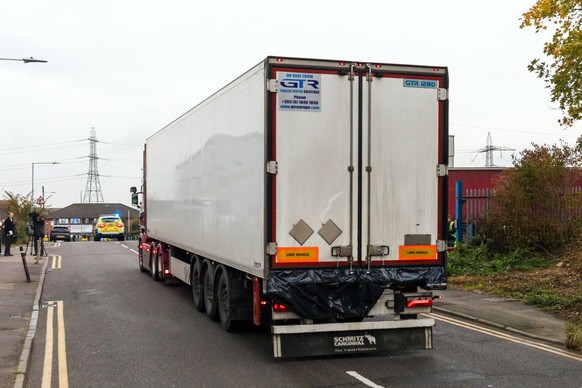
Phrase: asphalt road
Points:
(113, 326)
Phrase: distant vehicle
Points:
(110, 226)
(60, 233)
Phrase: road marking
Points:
(134, 251)
(48, 349)
(61, 347)
(363, 380)
(505, 336)
(57, 261)
(125, 246)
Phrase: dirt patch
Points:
(556, 289)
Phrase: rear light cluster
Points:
(419, 303)
(412, 301)
(280, 308)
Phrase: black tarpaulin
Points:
(341, 293)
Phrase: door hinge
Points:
(272, 85)
(272, 248)
(441, 170)
(442, 94)
(272, 167)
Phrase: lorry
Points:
(308, 196)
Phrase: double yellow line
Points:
(57, 261)
(47, 373)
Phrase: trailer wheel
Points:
(197, 287)
(223, 295)
(210, 304)
(140, 260)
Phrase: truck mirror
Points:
(134, 199)
(133, 189)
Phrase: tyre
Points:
(223, 295)
(197, 287)
(210, 304)
(140, 260)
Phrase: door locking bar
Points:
(344, 251)
(376, 251)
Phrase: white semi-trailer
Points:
(309, 195)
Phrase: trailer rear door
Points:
(359, 151)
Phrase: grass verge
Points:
(553, 284)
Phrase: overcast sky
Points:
(128, 68)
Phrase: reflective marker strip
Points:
(298, 255)
(417, 252)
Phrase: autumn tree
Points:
(562, 67)
(534, 203)
(20, 205)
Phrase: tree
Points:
(534, 204)
(563, 69)
(20, 205)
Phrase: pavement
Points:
(19, 303)
(502, 313)
(20, 300)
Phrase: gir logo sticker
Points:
(299, 92)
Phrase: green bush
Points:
(574, 336)
(534, 205)
(469, 259)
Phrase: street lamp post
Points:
(29, 60)
(32, 192)
(25, 60)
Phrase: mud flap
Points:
(352, 338)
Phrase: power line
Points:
(513, 130)
(27, 165)
(42, 147)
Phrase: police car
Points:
(108, 226)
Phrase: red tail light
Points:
(419, 303)
(280, 308)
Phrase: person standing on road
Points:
(9, 233)
(38, 234)
(452, 232)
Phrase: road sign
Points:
(40, 200)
